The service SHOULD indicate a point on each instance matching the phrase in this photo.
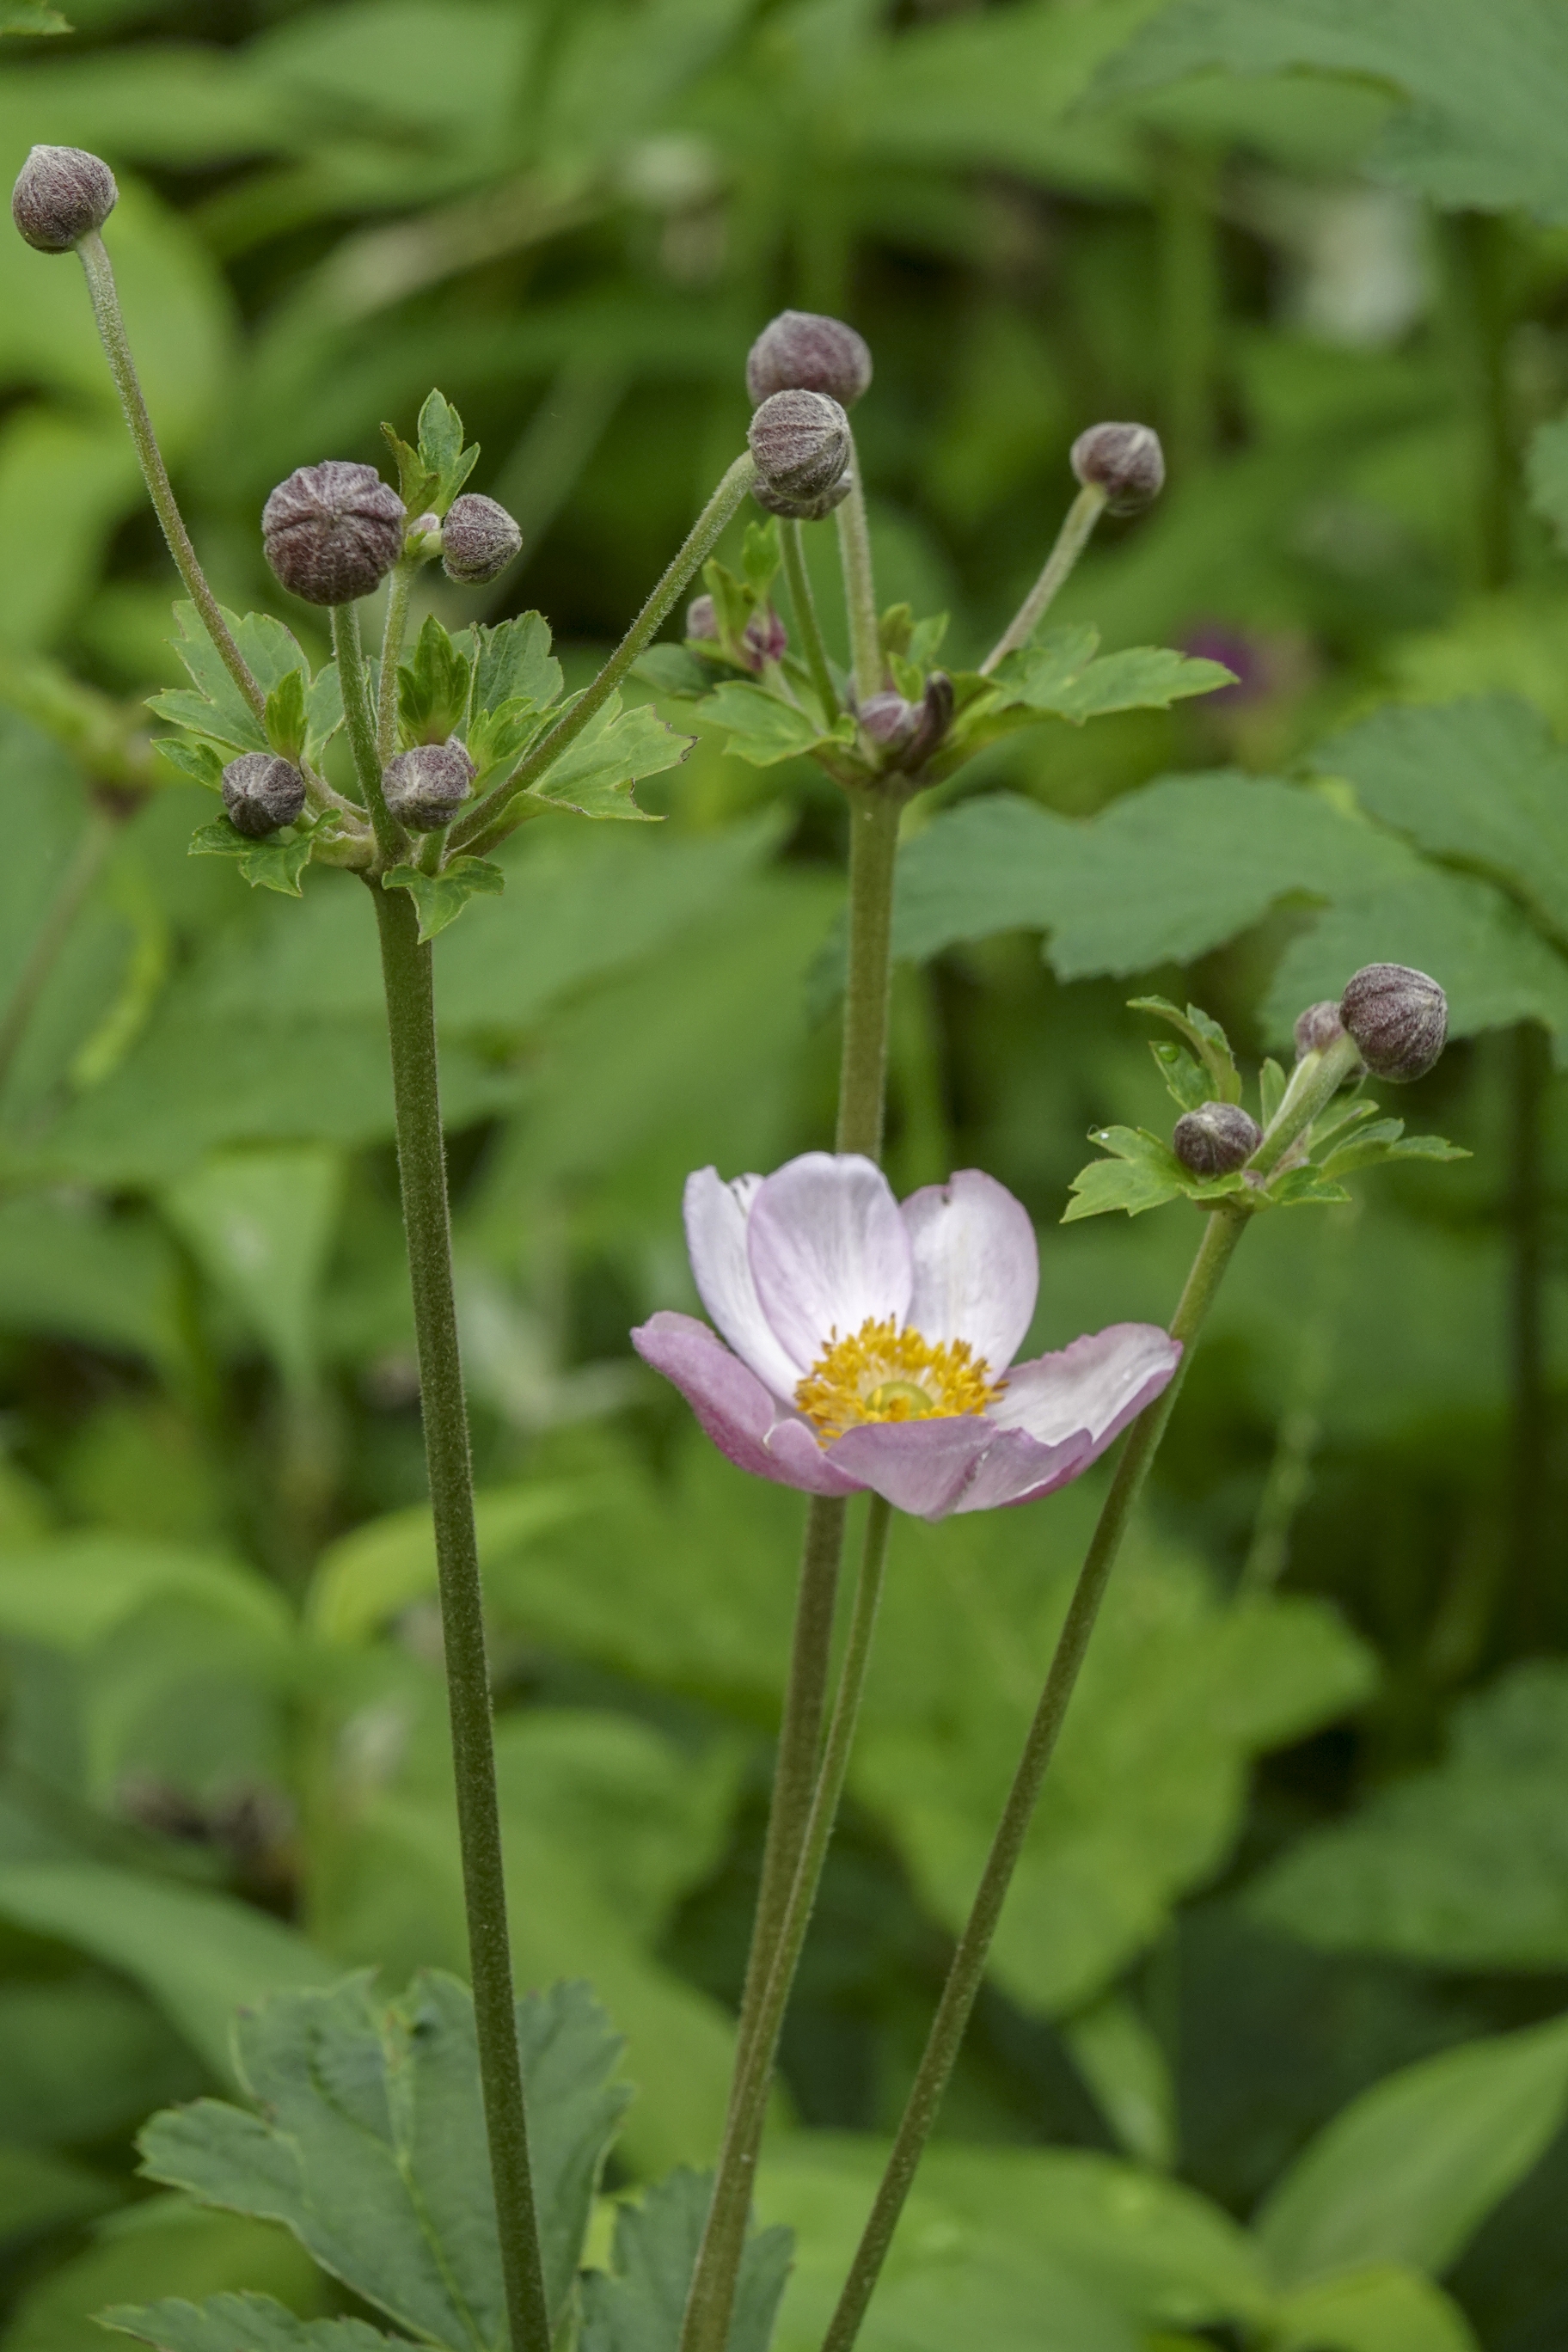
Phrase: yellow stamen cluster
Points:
(880, 1373)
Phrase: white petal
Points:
(977, 1268)
(920, 1467)
(1097, 1385)
(828, 1251)
(716, 1219)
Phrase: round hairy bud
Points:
(1398, 1017)
(888, 719)
(702, 619)
(425, 787)
(478, 540)
(801, 351)
(1215, 1139)
(802, 510)
(1317, 1027)
(261, 791)
(801, 443)
(1125, 461)
(333, 532)
(60, 193)
(765, 638)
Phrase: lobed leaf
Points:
(238, 2323)
(441, 897)
(763, 729)
(637, 2306)
(275, 863)
(595, 776)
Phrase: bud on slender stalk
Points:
(262, 790)
(1398, 1017)
(800, 441)
(801, 351)
(1216, 1139)
(333, 532)
(815, 510)
(1125, 461)
(1317, 1027)
(425, 787)
(478, 540)
(61, 194)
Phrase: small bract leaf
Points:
(512, 660)
(273, 864)
(763, 729)
(639, 2305)
(441, 897)
(286, 723)
(1206, 1036)
(595, 774)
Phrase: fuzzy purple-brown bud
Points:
(702, 618)
(426, 786)
(1317, 1027)
(262, 790)
(800, 441)
(815, 510)
(1398, 1017)
(802, 350)
(764, 637)
(1125, 461)
(333, 532)
(1216, 1139)
(61, 192)
(478, 540)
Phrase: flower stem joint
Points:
(1216, 1139)
(1399, 1019)
(333, 532)
(262, 790)
(62, 195)
(1125, 461)
(906, 733)
(801, 445)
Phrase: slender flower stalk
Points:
(400, 582)
(1316, 1079)
(1071, 540)
(712, 2301)
(860, 587)
(105, 298)
(360, 722)
(485, 824)
(863, 1071)
(808, 628)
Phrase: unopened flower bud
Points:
(333, 532)
(801, 351)
(936, 716)
(1125, 461)
(1317, 1027)
(702, 618)
(60, 193)
(888, 719)
(478, 540)
(425, 787)
(765, 637)
(261, 791)
(803, 509)
(801, 443)
(1215, 1139)
(1398, 1017)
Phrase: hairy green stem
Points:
(1070, 541)
(105, 298)
(874, 813)
(359, 720)
(1223, 1230)
(712, 2297)
(407, 974)
(86, 862)
(399, 586)
(807, 627)
(860, 587)
(487, 823)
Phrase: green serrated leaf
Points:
(763, 729)
(1300, 1188)
(432, 687)
(499, 738)
(275, 863)
(441, 449)
(1271, 1085)
(1206, 1036)
(441, 897)
(1187, 1083)
(761, 558)
(925, 641)
(237, 2323)
(1142, 1174)
(193, 756)
(639, 2303)
(416, 483)
(595, 774)
(513, 662)
(323, 712)
(371, 2144)
(286, 716)
(674, 671)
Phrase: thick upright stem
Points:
(105, 298)
(860, 587)
(1070, 541)
(487, 823)
(406, 973)
(808, 628)
(86, 862)
(712, 2301)
(1223, 1231)
(863, 1070)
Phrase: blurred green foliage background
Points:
(1308, 1825)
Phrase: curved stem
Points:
(860, 586)
(1223, 1230)
(488, 824)
(712, 2300)
(1071, 540)
(81, 872)
(863, 1070)
(808, 627)
(407, 974)
(360, 721)
(105, 298)
(398, 588)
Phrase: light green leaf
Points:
(83, 2059)
(1546, 470)
(1143, 678)
(639, 2303)
(30, 16)
(286, 723)
(72, 1590)
(1206, 1037)
(674, 671)
(1124, 2064)
(237, 2323)
(275, 863)
(161, 2246)
(371, 1575)
(595, 774)
(441, 897)
(513, 662)
(1386, 2309)
(442, 451)
(373, 2149)
(261, 1224)
(1410, 2169)
(761, 730)
(40, 2192)
(432, 687)
(1142, 1173)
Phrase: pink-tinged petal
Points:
(1098, 1384)
(977, 1268)
(828, 1251)
(921, 1467)
(716, 1218)
(732, 1405)
(1017, 1469)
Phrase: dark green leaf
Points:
(441, 897)
(763, 729)
(1206, 1036)
(238, 2323)
(514, 660)
(416, 482)
(39, 2191)
(1547, 470)
(639, 2305)
(441, 449)
(432, 687)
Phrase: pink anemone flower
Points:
(871, 1345)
